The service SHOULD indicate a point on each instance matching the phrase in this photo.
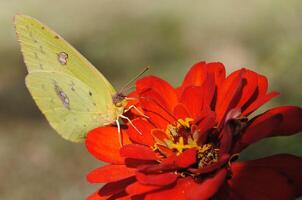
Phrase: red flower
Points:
(191, 139)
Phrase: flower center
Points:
(179, 135)
(182, 136)
(207, 155)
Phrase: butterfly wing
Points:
(74, 96)
(69, 105)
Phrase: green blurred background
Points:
(121, 38)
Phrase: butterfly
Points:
(72, 94)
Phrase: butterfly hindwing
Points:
(69, 105)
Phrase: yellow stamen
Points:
(184, 123)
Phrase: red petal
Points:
(116, 187)
(104, 144)
(186, 159)
(250, 84)
(229, 95)
(159, 135)
(260, 179)
(193, 98)
(259, 97)
(197, 73)
(287, 165)
(156, 179)
(208, 89)
(166, 165)
(205, 125)
(135, 163)
(219, 75)
(120, 196)
(97, 196)
(161, 87)
(218, 70)
(226, 139)
(283, 120)
(110, 173)
(208, 187)
(291, 120)
(156, 108)
(225, 192)
(138, 151)
(123, 196)
(138, 188)
(165, 150)
(206, 75)
(177, 192)
(259, 102)
(180, 111)
(144, 137)
(259, 129)
(195, 76)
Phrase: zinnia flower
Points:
(192, 138)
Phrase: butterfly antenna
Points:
(129, 88)
(162, 107)
(133, 79)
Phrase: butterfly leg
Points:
(135, 108)
(119, 132)
(130, 122)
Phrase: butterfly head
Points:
(119, 100)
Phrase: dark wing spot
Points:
(41, 66)
(62, 58)
(42, 27)
(56, 37)
(94, 103)
(72, 88)
(90, 93)
(62, 95)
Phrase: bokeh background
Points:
(121, 38)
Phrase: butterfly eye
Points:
(118, 99)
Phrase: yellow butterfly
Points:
(73, 95)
